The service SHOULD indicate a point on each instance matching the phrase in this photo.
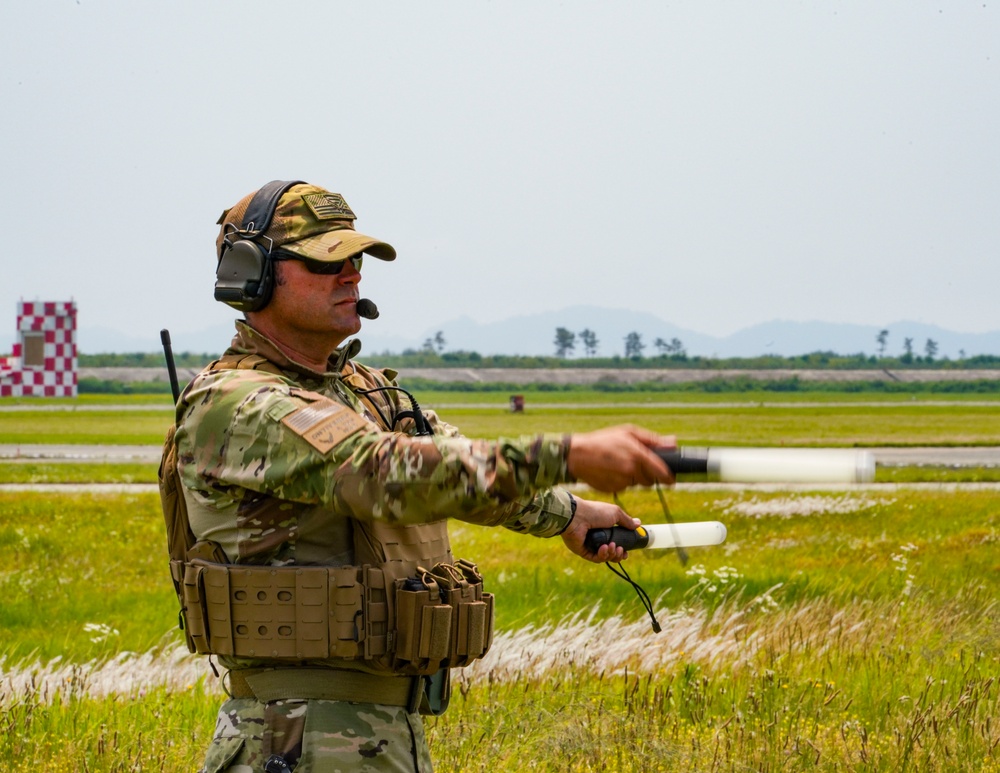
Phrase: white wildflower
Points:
(102, 632)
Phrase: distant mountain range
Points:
(534, 334)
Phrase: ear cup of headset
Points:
(245, 277)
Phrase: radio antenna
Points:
(171, 370)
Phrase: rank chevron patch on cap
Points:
(328, 206)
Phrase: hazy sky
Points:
(715, 163)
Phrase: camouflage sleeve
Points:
(547, 514)
(253, 430)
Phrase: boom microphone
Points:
(367, 309)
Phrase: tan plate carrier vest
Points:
(388, 610)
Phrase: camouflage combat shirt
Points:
(265, 485)
(277, 469)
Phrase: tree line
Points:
(907, 357)
(565, 343)
(666, 354)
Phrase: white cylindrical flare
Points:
(791, 465)
(685, 535)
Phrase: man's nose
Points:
(349, 274)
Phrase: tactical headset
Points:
(244, 278)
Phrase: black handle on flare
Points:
(625, 538)
(681, 461)
(687, 460)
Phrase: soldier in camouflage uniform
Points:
(285, 460)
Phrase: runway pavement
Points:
(950, 456)
(79, 453)
(986, 456)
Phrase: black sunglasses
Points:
(320, 266)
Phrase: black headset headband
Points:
(260, 210)
(244, 276)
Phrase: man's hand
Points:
(615, 458)
(597, 515)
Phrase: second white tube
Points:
(685, 535)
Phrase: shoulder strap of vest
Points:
(179, 536)
(244, 362)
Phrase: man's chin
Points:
(351, 322)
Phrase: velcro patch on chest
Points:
(324, 425)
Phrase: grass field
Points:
(831, 632)
(834, 631)
(720, 420)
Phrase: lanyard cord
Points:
(622, 572)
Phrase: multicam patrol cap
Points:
(311, 222)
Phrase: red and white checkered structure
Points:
(43, 363)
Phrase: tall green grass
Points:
(103, 427)
(78, 560)
(823, 422)
(44, 472)
(832, 631)
(855, 630)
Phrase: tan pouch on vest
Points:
(438, 619)
(444, 619)
(289, 613)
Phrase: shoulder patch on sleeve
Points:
(324, 425)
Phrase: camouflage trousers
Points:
(317, 735)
